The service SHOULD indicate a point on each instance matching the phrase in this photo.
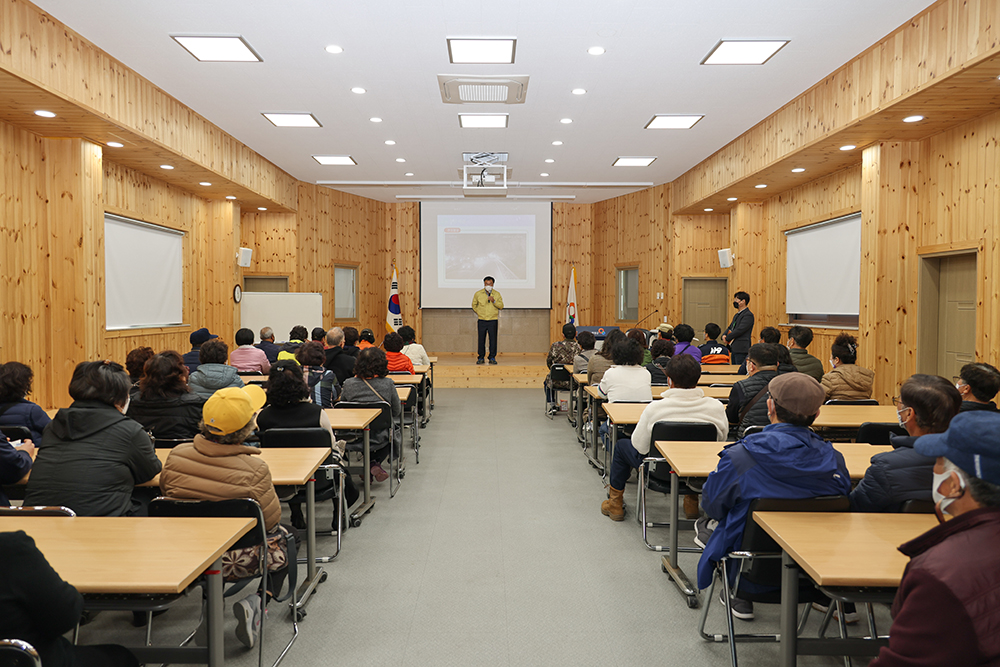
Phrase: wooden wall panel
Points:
(695, 243)
(274, 240)
(572, 227)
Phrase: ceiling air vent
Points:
(482, 89)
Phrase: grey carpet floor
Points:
(494, 552)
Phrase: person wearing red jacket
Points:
(398, 361)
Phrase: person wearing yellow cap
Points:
(218, 466)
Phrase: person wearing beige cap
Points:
(785, 460)
(218, 466)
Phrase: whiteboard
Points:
(281, 311)
(144, 287)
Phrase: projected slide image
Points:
(470, 256)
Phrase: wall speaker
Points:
(725, 258)
(245, 254)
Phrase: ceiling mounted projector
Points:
(484, 174)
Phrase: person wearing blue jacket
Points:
(785, 460)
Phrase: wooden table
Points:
(141, 556)
(853, 416)
(358, 419)
(713, 378)
(698, 460)
(433, 361)
(730, 369)
(838, 550)
(415, 380)
(249, 378)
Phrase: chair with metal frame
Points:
(384, 422)
(411, 413)
(750, 430)
(877, 433)
(168, 443)
(17, 653)
(255, 537)
(844, 401)
(759, 563)
(16, 432)
(557, 373)
(38, 510)
(655, 473)
(330, 476)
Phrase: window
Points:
(265, 283)
(628, 293)
(823, 272)
(345, 293)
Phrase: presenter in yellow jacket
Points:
(487, 303)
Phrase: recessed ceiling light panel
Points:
(375, 119)
(481, 51)
(205, 183)
(566, 121)
(292, 119)
(709, 210)
(761, 186)
(913, 119)
(116, 144)
(672, 122)
(168, 167)
(483, 120)
(798, 170)
(579, 91)
(358, 90)
(633, 162)
(335, 160)
(261, 208)
(390, 142)
(401, 159)
(743, 52)
(230, 197)
(597, 51)
(218, 48)
(731, 198)
(848, 147)
(45, 114)
(333, 48)
(557, 143)
(549, 160)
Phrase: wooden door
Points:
(705, 300)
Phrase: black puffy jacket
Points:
(743, 392)
(893, 478)
(171, 418)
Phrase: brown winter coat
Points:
(848, 382)
(206, 470)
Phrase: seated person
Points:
(165, 405)
(746, 406)
(366, 339)
(926, 404)
(785, 364)
(847, 381)
(639, 336)
(785, 460)
(213, 373)
(682, 401)
(799, 338)
(322, 383)
(770, 335)
(92, 456)
(296, 337)
(627, 380)
(351, 337)
(218, 466)
(661, 350)
(134, 362)
(193, 356)
(15, 463)
(15, 409)
(288, 406)
(369, 384)
(246, 358)
(395, 359)
(946, 605)
(665, 331)
(684, 333)
(338, 359)
(318, 334)
(267, 345)
(561, 352)
(713, 352)
(38, 607)
(978, 384)
(601, 362)
(414, 350)
(586, 340)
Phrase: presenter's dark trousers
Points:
(488, 327)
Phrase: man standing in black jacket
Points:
(738, 335)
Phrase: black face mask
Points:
(736, 304)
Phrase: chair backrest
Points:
(17, 653)
(16, 433)
(917, 507)
(295, 437)
(244, 508)
(169, 443)
(877, 433)
(382, 422)
(753, 429)
(670, 430)
(40, 510)
(863, 401)
(559, 373)
(767, 571)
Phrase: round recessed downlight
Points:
(579, 91)
(597, 50)
(409, 173)
(731, 198)
(549, 160)
(400, 159)
(761, 186)
(390, 142)
(261, 208)
(543, 174)
(848, 147)
(115, 144)
(358, 90)
(798, 170)
(45, 114)
(709, 210)
(333, 48)
(375, 119)
(913, 119)
(205, 183)
(166, 166)
(566, 121)
(230, 197)
(557, 143)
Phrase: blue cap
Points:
(972, 442)
(201, 336)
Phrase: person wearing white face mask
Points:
(487, 304)
(926, 404)
(978, 384)
(945, 610)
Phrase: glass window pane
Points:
(345, 293)
(628, 294)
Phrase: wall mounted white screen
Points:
(463, 242)
(143, 274)
(824, 268)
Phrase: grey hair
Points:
(335, 336)
(266, 332)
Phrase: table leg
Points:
(579, 412)
(366, 506)
(214, 620)
(432, 386)
(609, 453)
(670, 561)
(314, 575)
(789, 609)
(427, 407)
(594, 461)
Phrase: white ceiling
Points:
(396, 50)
